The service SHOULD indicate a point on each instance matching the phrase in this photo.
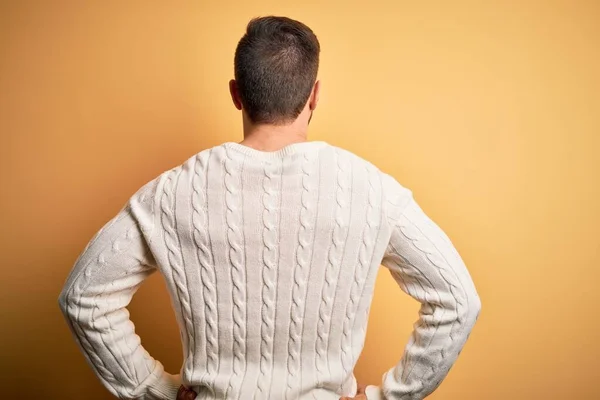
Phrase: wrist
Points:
(374, 393)
(166, 386)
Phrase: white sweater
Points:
(270, 259)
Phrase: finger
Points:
(361, 389)
(190, 395)
(181, 392)
(185, 393)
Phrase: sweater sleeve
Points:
(100, 286)
(426, 266)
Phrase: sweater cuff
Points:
(166, 387)
(374, 393)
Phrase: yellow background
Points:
(488, 110)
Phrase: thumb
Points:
(185, 394)
(190, 395)
(361, 389)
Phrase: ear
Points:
(235, 94)
(314, 97)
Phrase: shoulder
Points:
(396, 195)
(353, 159)
(149, 198)
(194, 165)
(387, 180)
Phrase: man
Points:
(270, 249)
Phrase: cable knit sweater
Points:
(270, 259)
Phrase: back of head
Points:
(276, 64)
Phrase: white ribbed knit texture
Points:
(271, 260)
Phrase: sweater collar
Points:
(294, 148)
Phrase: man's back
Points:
(273, 257)
(270, 259)
(270, 250)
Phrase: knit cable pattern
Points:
(410, 281)
(175, 259)
(131, 370)
(117, 246)
(336, 251)
(361, 322)
(205, 259)
(420, 242)
(269, 278)
(301, 271)
(258, 250)
(364, 260)
(238, 278)
(98, 234)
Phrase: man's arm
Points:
(101, 284)
(426, 266)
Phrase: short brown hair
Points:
(276, 64)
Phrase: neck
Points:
(273, 137)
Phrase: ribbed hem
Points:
(374, 393)
(288, 150)
(166, 387)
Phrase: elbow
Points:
(469, 312)
(473, 308)
(64, 302)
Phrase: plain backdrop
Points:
(488, 110)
